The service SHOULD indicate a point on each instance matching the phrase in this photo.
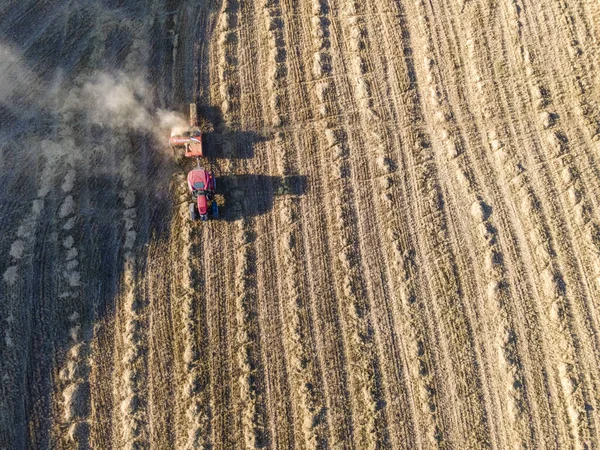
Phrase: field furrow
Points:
(188, 313)
(377, 170)
(18, 321)
(252, 383)
(265, 112)
(367, 390)
(161, 396)
(570, 187)
(326, 325)
(428, 195)
(407, 247)
(544, 254)
(309, 424)
(421, 345)
(501, 345)
(130, 383)
(101, 349)
(511, 235)
(563, 90)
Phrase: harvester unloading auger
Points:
(201, 182)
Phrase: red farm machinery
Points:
(202, 184)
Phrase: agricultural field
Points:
(408, 251)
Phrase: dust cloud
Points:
(125, 101)
(113, 100)
(20, 88)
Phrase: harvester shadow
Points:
(230, 144)
(249, 195)
(224, 141)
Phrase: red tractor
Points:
(203, 186)
(201, 182)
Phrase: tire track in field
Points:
(555, 298)
(494, 273)
(446, 288)
(445, 283)
(326, 320)
(221, 343)
(196, 377)
(41, 287)
(452, 154)
(221, 326)
(227, 64)
(74, 400)
(420, 348)
(373, 134)
(73, 403)
(43, 305)
(218, 278)
(567, 73)
(257, 94)
(301, 360)
(277, 65)
(16, 325)
(188, 288)
(298, 330)
(132, 385)
(539, 76)
(74, 375)
(225, 369)
(593, 14)
(249, 383)
(563, 153)
(528, 328)
(106, 373)
(248, 351)
(206, 289)
(161, 392)
(33, 392)
(576, 39)
(370, 419)
(569, 76)
(156, 218)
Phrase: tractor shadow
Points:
(240, 195)
(251, 195)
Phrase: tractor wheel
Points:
(215, 210)
(193, 215)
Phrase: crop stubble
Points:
(430, 278)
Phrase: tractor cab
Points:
(202, 186)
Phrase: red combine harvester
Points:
(201, 182)
(189, 140)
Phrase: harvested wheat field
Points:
(408, 249)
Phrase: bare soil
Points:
(408, 253)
